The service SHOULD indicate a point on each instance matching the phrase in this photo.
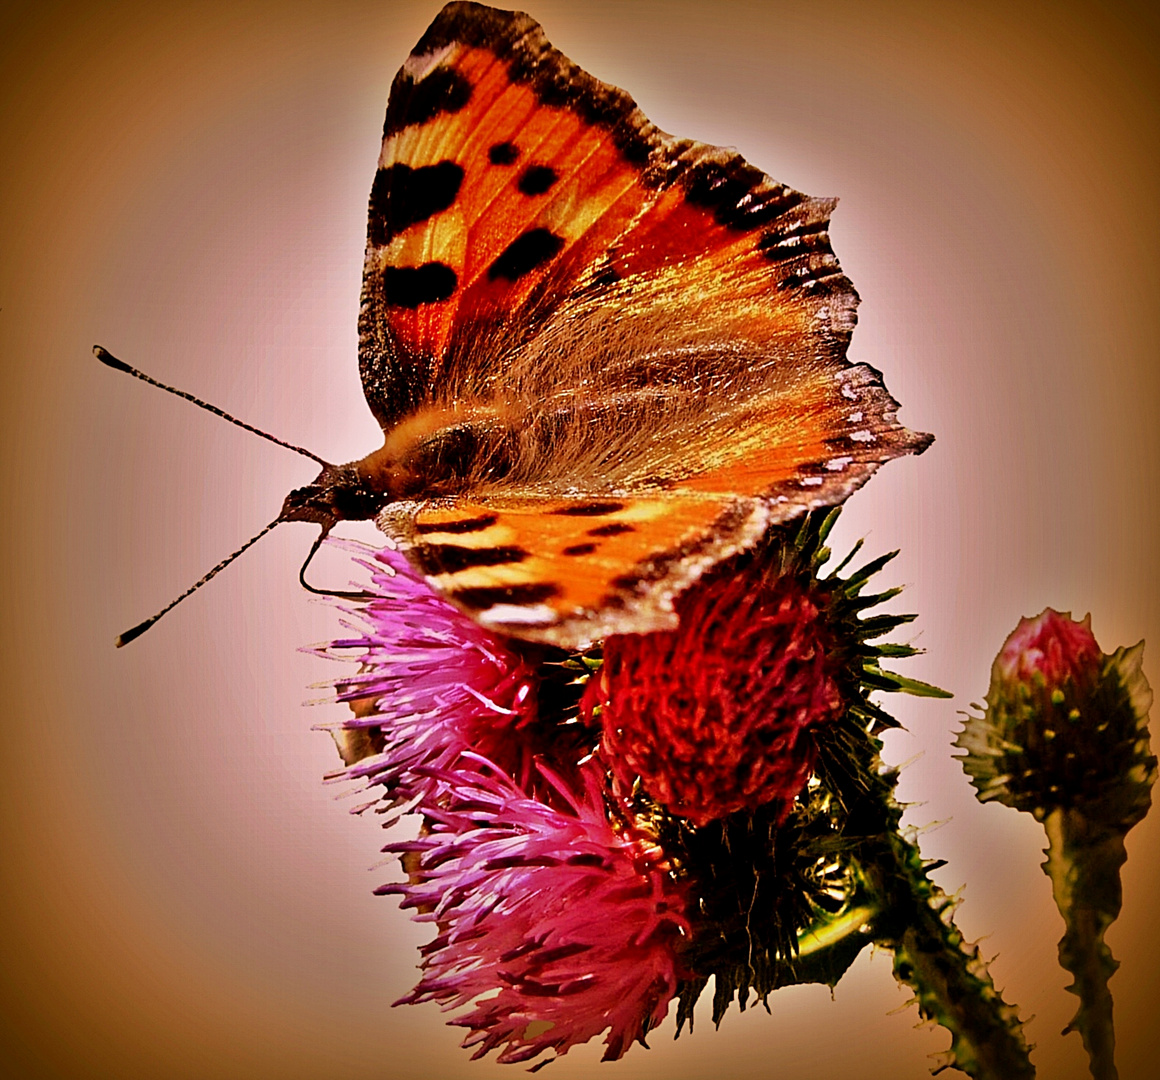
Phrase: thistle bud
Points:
(1065, 725)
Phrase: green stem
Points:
(950, 980)
(1083, 863)
(914, 921)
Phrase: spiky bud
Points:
(1065, 725)
(1065, 737)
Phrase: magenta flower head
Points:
(557, 920)
(1065, 725)
(554, 922)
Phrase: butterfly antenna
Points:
(141, 627)
(110, 360)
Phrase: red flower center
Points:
(715, 716)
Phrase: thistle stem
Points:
(948, 976)
(1083, 862)
(915, 922)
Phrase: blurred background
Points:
(187, 185)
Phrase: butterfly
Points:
(603, 358)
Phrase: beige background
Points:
(187, 184)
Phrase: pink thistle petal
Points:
(553, 926)
(432, 684)
(1053, 646)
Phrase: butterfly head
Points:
(338, 493)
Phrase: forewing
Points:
(511, 183)
(502, 164)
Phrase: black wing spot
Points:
(444, 90)
(452, 558)
(592, 509)
(536, 179)
(525, 253)
(410, 286)
(615, 528)
(579, 549)
(463, 525)
(486, 596)
(402, 196)
(502, 153)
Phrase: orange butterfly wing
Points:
(571, 571)
(657, 328)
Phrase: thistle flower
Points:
(541, 901)
(715, 715)
(554, 922)
(723, 713)
(568, 903)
